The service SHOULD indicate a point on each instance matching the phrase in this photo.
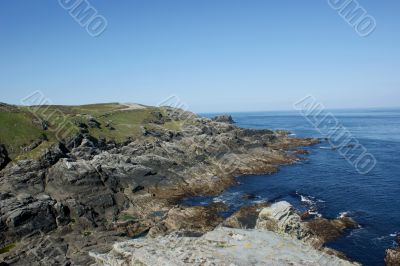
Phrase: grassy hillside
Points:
(23, 128)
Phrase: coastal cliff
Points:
(110, 172)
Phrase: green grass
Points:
(17, 130)
(126, 124)
(20, 126)
(7, 248)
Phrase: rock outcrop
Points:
(224, 119)
(222, 246)
(282, 218)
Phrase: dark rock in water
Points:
(224, 119)
(249, 196)
(329, 230)
(4, 159)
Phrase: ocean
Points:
(327, 184)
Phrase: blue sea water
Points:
(327, 184)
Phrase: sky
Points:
(212, 55)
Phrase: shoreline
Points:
(86, 193)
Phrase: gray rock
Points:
(222, 246)
(281, 217)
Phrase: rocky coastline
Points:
(87, 193)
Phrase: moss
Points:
(7, 248)
(127, 217)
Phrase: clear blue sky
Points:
(215, 55)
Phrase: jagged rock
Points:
(23, 214)
(53, 154)
(4, 159)
(224, 119)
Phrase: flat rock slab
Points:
(222, 246)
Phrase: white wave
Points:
(344, 214)
(260, 201)
(325, 148)
(315, 213)
(306, 199)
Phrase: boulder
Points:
(281, 218)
